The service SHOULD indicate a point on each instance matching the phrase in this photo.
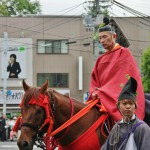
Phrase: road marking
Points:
(7, 146)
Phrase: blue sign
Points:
(9, 92)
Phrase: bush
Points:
(146, 70)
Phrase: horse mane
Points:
(31, 92)
(34, 92)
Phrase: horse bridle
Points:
(38, 129)
(53, 110)
(33, 127)
(38, 141)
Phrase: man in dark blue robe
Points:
(130, 133)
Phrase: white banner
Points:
(13, 96)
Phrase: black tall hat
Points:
(129, 90)
(105, 25)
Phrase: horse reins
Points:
(51, 114)
(43, 101)
(54, 109)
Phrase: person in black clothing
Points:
(3, 129)
(13, 67)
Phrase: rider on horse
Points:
(111, 72)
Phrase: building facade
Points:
(49, 48)
(58, 49)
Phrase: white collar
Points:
(133, 117)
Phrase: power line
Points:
(36, 32)
(34, 45)
(130, 9)
(132, 40)
(135, 4)
(139, 40)
(42, 28)
(144, 24)
(78, 38)
(127, 34)
(42, 31)
(136, 13)
(124, 18)
(72, 7)
(49, 20)
(47, 33)
(31, 15)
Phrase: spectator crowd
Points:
(6, 126)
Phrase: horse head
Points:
(33, 115)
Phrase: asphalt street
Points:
(12, 146)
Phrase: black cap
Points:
(106, 28)
(129, 90)
(106, 20)
(105, 25)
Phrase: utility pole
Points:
(5, 71)
(94, 17)
(97, 7)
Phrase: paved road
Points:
(11, 146)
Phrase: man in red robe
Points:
(111, 72)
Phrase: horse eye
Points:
(39, 111)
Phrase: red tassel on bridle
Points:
(43, 102)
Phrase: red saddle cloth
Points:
(88, 140)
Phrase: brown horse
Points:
(37, 120)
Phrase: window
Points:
(52, 46)
(58, 80)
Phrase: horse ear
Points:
(44, 87)
(25, 86)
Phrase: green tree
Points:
(95, 9)
(19, 7)
(146, 70)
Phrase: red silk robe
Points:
(110, 73)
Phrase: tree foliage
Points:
(94, 11)
(146, 70)
(19, 7)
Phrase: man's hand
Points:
(94, 95)
(9, 62)
(12, 74)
